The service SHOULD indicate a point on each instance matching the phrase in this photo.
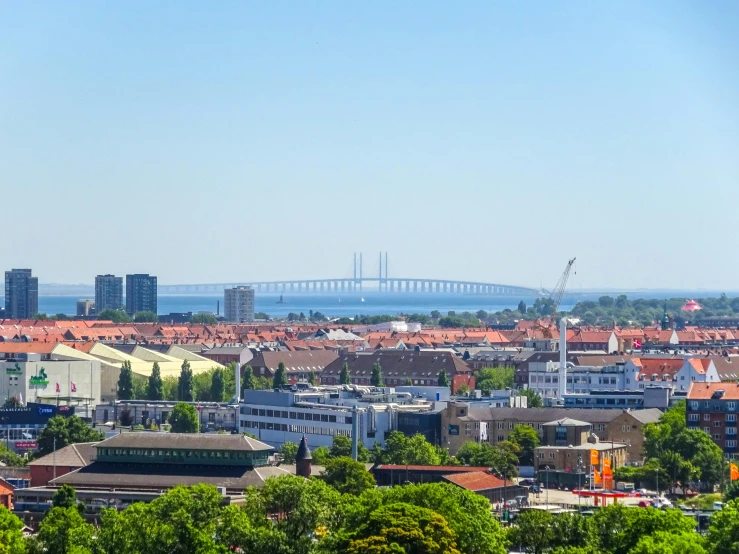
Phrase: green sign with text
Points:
(14, 370)
(39, 380)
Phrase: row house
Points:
(421, 368)
(298, 364)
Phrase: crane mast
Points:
(559, 289)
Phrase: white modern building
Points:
(238, 304)
(320, 413)
(635, 374)
(68, 383)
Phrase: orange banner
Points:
(733, 472)
(593, 457)
(606, 464)
(596, 477)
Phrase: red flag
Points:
(57, 388)
(637, 344)
(74, 387)
(198, 406)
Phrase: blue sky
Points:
(222, 141)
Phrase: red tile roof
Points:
(476, 481)
(705, 391)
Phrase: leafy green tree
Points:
(280, 378)
(63, 431)
(247, 378)
(347, 476)
(462, 390)
(442, 379)
(146, 316)
(415, 450)
(522, 307)
(116, 316)
(312, 379)
(64, 530)
(261, 315)
(203, 319)
(468, 514)
(11, 533)
(376, 378)
(321, 455)
(731, 492)
(723, 532)
(527, 440)
(155, 388)
(305, 505)
(399, 528)
(288, 451)
(408, 382)
(533, 399)
(10, 458)
(262, 383)
(125, 382)
(344, 378)
(184, 418)
(218, 386)
(185, 384)
(666, 542)
(435, 314)
(618, 529)
(170, 385)
(66, 497)
(342, 446)
(533, 532)
(481, 314)
(571, 531)
(494, 378)
(503, 459)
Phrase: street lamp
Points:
(656, 474)
(547, 468)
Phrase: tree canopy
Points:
(125, 382)
(62, 431)
(155, 386)
(183, 418)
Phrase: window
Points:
(717, 437)
(501, 438)
(500, 426)
(731, 405)
(693, 417)
(717, 424)
(731, 430)
(693, 405)
(731, 417)
(706, 417)
(602, 427)
(626, 428)
(510, 426)
(707, 430)
(551, 455)
(560, 434)
(731, 444)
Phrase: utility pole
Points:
(54, 458)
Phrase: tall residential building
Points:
(239, 304)
(108, 293)
(141, 293)
(21, 294)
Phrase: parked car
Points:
(526, 482)
(522, 501)
(535, 489)
(644, 503)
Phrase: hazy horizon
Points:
(238, 141)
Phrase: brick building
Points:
(712, 407)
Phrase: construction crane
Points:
(559, 289)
